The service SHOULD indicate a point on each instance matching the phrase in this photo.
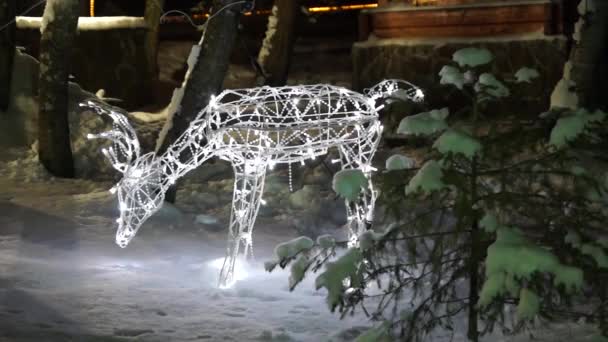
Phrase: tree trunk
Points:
(587, 68)
(206, 76)
(277, 48)
(7, 50)
(590, 54)
(474, 263)
(154, 10)
(58, 29)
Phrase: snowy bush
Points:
(472, 57)
(427, 179)
(349, 183)
(502, 225)
(570, 127)
(291, 248)
(426, 123)
(526, 75)
(399, 162)
(457, 142)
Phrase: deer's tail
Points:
(395, 88)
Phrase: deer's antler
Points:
(125, 145)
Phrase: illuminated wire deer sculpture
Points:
(254, 129)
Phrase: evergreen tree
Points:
(501, 225)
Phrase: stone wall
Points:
(419, 61)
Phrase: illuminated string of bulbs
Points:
(254, 129)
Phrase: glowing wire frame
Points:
(253, 129)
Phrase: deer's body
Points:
(254, 129)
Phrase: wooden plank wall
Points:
(478, 19)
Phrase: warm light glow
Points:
(321, 9)
(92, 8)
(253, 129)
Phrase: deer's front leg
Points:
(248, 188)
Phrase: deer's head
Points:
(141, 190)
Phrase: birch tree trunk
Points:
(7, 50)
(587, 68)
(209, 63)
(59, 25)
(277, 48)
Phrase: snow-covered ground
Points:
(62, 276)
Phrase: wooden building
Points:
(464, 18)
(414, 39)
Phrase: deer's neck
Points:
(189, 151)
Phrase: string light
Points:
(253, 129)
(92, 8)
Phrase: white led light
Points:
(254, 129)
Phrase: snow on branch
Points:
(89, 23)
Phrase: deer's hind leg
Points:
(359, 155)
(248, 188)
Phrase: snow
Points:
(149, 117)
(271, 30)
(529, 304)
(512, 260)
(488, 84)
(298, 271)
(368, 239)
(326, 241)
(399, 162)
(451, 75)
(178, 94)
(525, 74)
(427, 179)
(84, 23)
(472, 57)
(291, 248)
(457, 142)
(63, 279)
(49, 13)
(563, 95)
(424, 123)
(345, 268)
(348, 183)
(205, 219)
(568, 128)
